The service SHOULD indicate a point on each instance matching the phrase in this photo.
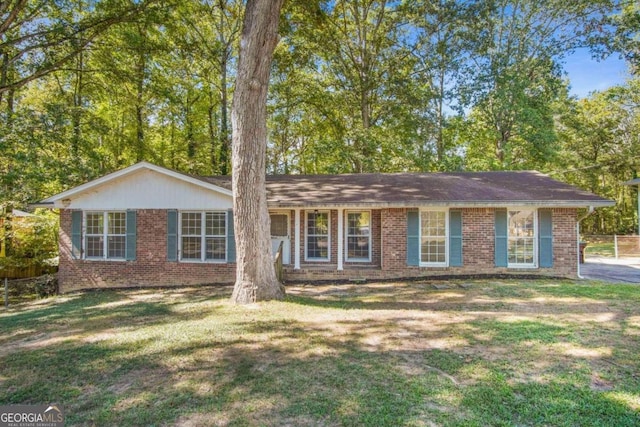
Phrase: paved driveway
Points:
(622, 270)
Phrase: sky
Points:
(587, 75)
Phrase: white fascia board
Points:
(128, 171)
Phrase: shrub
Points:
(32, 245)
(46, 286)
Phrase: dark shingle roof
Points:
(422, 189)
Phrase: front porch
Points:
(315, 272)
(322, 241)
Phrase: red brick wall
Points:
(394, 239)
(478, 248)
(389, 256)
(565, 245)
(150, 268)
(478, 241)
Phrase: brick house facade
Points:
(149, 226)
(149, 268)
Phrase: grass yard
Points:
(600, 249)
(532, 353)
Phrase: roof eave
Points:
(452, 204)
(47, 205)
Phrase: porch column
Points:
(340, 239)
(296, 240)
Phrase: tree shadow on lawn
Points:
(272, 385)
(305, 375)
(478, 298)
(394, 370)
(71, 317)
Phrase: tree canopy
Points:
(87, 87)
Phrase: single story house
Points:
(147, 226)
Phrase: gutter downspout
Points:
(589, 212)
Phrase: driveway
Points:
(622, 270)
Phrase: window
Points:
(216, 236)
(433, 238)
(358, 236)
(279, 224)
(521, 238)
(106, 235)
(191, 231)
(318, 236)
(203, 236)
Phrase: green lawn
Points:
(600, 249)
(533, 353)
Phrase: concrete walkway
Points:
(622, 270)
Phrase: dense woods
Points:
(87, 87)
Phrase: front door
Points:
(280, 234)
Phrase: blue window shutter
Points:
(172, 235)
(501, 238)
(231, 238)
(413, 238)
(455, 239)
(76, 234)
(545, 236)
(131, 236)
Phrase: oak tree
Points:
(255, 273)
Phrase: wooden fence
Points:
(25, 272)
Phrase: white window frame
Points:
(534, 264)
(347, 235)
(307, 235)
(203, 237)
(105, 236)
(446, 238)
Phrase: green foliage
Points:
(621, 36)
(343, 79)
(601, 141)
(32, 239)
(46, 286)
(368, 86)
(39, 38)
(514, 78)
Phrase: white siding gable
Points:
(147, 189)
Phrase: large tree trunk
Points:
(255, 274)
